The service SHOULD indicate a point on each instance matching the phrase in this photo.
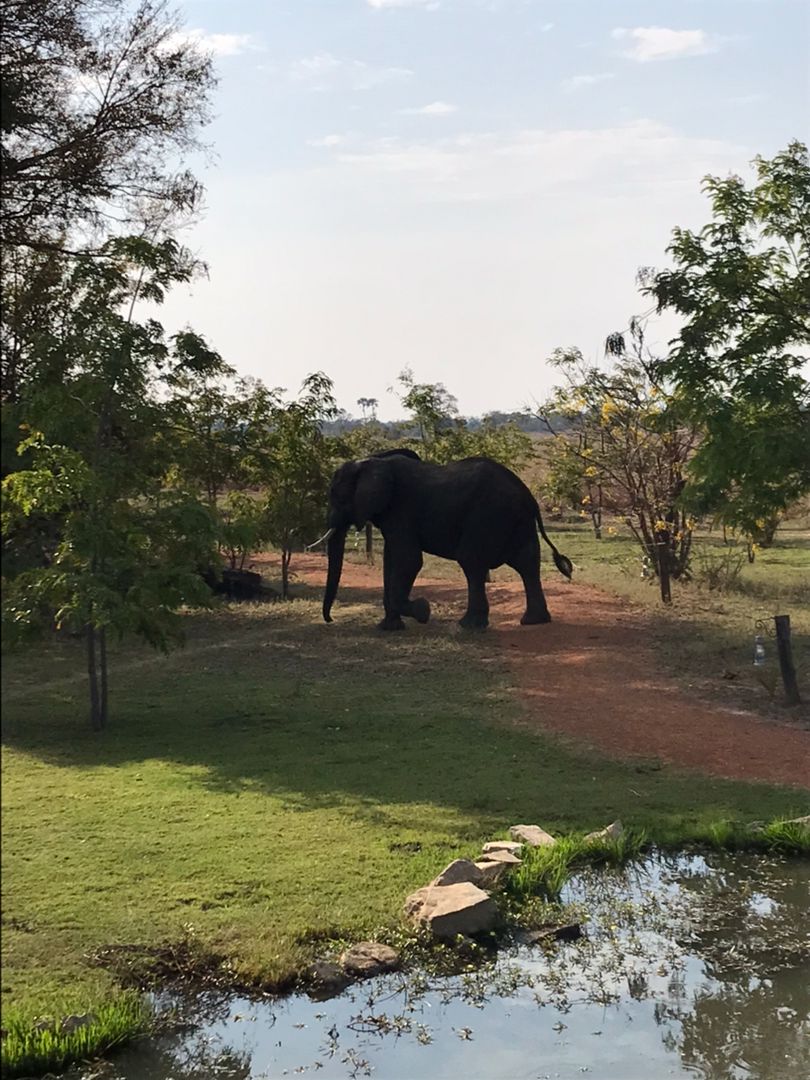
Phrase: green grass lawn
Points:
(276, 781)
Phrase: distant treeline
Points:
(408, 429)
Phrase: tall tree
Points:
(122, 551)
(297, 477)
(742, 287)
(101, 100)
(627, 445)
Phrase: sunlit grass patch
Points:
(30, 1045)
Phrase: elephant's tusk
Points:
(325, 536)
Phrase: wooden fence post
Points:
(786, 664)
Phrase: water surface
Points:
(690, 967)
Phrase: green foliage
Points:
(218, 439)
(26, 1051)
(627, 446)
(122, 552)
(444, 436)
(742, 287)
(565, 485)
(299, 469)
(244, 527)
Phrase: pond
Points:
(690, 966)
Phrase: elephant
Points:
(475, 511)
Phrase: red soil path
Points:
(598, 684)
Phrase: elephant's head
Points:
(360, 491)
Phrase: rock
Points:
(325, 980)
(369, 958)
(74, 1022)
(490, 873)
(611, 832)
(449, 910)
(503, 845)
(459, 870)
(501, 856)
(532, 835)
(760, 826)
(552, 932)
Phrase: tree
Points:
(123, 551)
(219, 429)
(368, 406)
(629, 445)
(299, 470)
(100, 102)
(445, 436)
(742, 287)
(433, 408)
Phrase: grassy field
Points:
(705, 638)
(275, 782)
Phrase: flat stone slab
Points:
(501, 856)
(325, 980)
(610, 832)
(75, 1021)
(450, 910)
(368, 958)
(457, 871)
(532, 835)
(552, 932)
(502, 845)
(490, 873)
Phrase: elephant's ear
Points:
(374, 491)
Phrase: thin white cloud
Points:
(324, 71)
(746, 99)
(380, 5)
(546, 27)
(579, 82)
(217, 44)
(436, 108)
(648, 43)
(327, 140)
(489, 167)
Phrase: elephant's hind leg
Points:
(527, 563)
(476, 616)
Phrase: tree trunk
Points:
(92, 674)
(285, 576)
(662, 559)
(102, 652)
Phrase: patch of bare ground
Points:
(591, 677)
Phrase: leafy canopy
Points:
(739, 363)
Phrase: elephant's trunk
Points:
(335, 550)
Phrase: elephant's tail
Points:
(562, 562)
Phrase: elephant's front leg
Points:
(401, 564)
(392, 619)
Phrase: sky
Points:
(460, 186)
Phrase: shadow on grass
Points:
(388, 727)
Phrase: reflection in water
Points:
(691, 967)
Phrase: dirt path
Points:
(591, 676)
